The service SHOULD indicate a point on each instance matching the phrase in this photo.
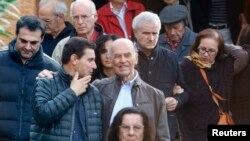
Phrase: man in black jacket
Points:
(158, 66)
(54, 13)
(67, 107)
(19, 67)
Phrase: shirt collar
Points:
(131, 82)
(124, 6)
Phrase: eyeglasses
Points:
(127, 128)
(82, 17)
(23, 41)
(210, 51)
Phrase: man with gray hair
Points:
(159, 67)
(84, 17)
(126, 89)
(53, 13)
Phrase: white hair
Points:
(126, 42)
(85, 2)
(145, 18)
(59, 7)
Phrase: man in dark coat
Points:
(222, 15)
(19, 67)
(54, 13)
(177, 37)
(67, 107)
(158, 66)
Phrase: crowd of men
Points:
(47, 93)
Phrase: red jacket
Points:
(111, 24)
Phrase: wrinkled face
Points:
(147, 35)
(105, 58)
(86, 64)
(208, 50)
(28, 43)
(170, 2)
(131, 128)
(175, 32)
(50, 19)
(83, 19)
(123, 60)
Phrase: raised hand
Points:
(79, 86)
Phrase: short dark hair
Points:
(212, 34)
(77, 46)
(114, 128)
(32, 23)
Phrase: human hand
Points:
(171, 103)
(79, 86)
(177, 89)
(45, 74)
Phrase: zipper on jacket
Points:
(20, 120)
(21, 103)
(73, 124)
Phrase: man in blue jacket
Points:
(66, 107)
(19, 66)
(177, 37)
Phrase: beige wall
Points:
(26, 7)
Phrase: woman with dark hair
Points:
(240, 98)
(219, 62)
(130, 124)
(104, 66)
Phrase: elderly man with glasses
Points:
(53, 13)
(84, 17)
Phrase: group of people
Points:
(132, 83)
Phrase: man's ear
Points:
(136, 60)
(135, 33)
(96, 17)
(62, 18)
(74, 59)
(42, 38)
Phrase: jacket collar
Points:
(67, 30)
(64, 75)
(137, 81)
(129, 7)
(153, 53)
(98, 28)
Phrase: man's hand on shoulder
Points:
(45, 74)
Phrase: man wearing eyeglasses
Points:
(84, 16)
(53, 13)
(19, 66)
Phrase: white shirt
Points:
(124, 98)
(120, 16)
